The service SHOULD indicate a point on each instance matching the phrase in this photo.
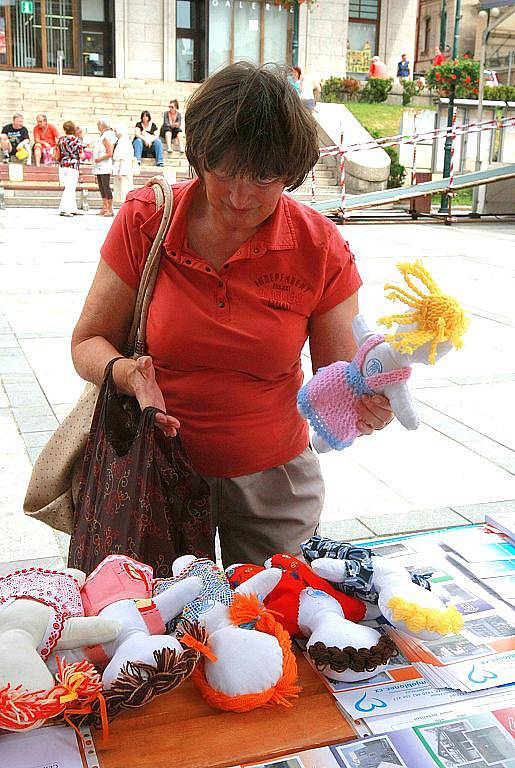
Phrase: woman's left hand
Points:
(374, 412)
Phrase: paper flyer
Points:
(50, 747)
(475, 674)
(398, 697)
(477, 545)
(483, 740)
(311, 758)
(466, 706)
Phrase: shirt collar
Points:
(276, 234)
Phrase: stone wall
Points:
(145, 39)
(323, 38)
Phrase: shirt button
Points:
(256, 250)
(208, 269)
(174, 253)
(221, 304)
(226, 266)
(188, 261)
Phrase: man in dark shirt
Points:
(403, 68)
(14, 137)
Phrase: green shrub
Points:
(410, 88)
(500, 92)
(376, 90)
(397, 170)
(339, 89)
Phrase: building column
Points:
(168, 40)
(397, 33)
(121, 37)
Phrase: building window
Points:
(97, 38)
(48, 36)
(190, 41)
(362, 37)
(256, 31)
(427, 34)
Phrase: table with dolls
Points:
(199, 669)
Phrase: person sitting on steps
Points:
(146, 141)
(171, 129)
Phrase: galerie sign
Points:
(254, 6)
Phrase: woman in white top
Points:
(306, 92)
(123, 164)
(103, 165)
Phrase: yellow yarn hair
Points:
(439, 317)
(417, 619)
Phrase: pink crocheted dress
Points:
(329, 400)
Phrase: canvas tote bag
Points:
(54, 483)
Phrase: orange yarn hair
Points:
(245, 609)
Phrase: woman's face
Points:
(240, 202)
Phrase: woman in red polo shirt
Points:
(247, 276)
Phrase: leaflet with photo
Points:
(483, 740)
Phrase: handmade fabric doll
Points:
(404, 601)
(248, 661)
(357, 568)
(121, 589)
(433, 325)
(309, 607)
(41, 610)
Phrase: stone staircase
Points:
(85, 99)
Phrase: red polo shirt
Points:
(226, 345)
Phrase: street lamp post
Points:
(443, 25)
(295, 36)
(444, 200)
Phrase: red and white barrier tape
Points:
(453, 143)
(487, 125)
(342, 175)
(414, 162)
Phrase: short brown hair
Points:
(252, 118)
(69, 127)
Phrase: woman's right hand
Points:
(138, 377)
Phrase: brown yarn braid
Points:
(137, 684)
(356, 659)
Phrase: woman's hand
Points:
(139, 378)
(374, 412)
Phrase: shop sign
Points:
(27, 6)
(254, 5)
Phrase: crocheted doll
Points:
(404, 600)
(432, 326)
(309, 607)
(41, 610)
(248, 661)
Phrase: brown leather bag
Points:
(54, 483)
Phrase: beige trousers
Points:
(267, 512)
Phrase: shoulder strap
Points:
(164, 197)
(372, 341)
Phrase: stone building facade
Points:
(500, 53)
(186, 40)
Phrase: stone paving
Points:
(457, 465)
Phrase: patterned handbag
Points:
(138, 495)
(55, 477)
